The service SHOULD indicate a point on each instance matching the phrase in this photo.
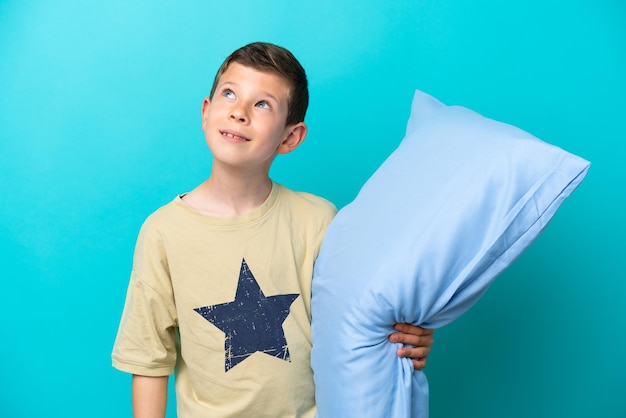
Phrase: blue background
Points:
(100, 125)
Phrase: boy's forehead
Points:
(237, 73)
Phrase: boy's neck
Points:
(227, 196)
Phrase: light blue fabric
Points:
(458, 200)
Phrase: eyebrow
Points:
(262, 92)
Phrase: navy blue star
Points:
(252, 322)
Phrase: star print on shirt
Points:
(252, 322)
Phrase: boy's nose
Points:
(238, 115)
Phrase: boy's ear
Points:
(205, 106)
(295, 135)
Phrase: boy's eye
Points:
(228, 93)
(263, 105)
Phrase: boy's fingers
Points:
(414, 340)
(419, 341)
(413, 329)
(419, 364)
(418, 354)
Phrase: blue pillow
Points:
(459, 199)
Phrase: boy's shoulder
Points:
(168, 208)
(308, 202)
(163, 216)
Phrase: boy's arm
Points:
(420, 338)
(149, 396)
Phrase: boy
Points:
(221, 276)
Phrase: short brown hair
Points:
(274, 59)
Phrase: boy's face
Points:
(244, 122)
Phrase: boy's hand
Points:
(420, 338)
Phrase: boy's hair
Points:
(270, 58)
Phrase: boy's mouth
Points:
(234, 136)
